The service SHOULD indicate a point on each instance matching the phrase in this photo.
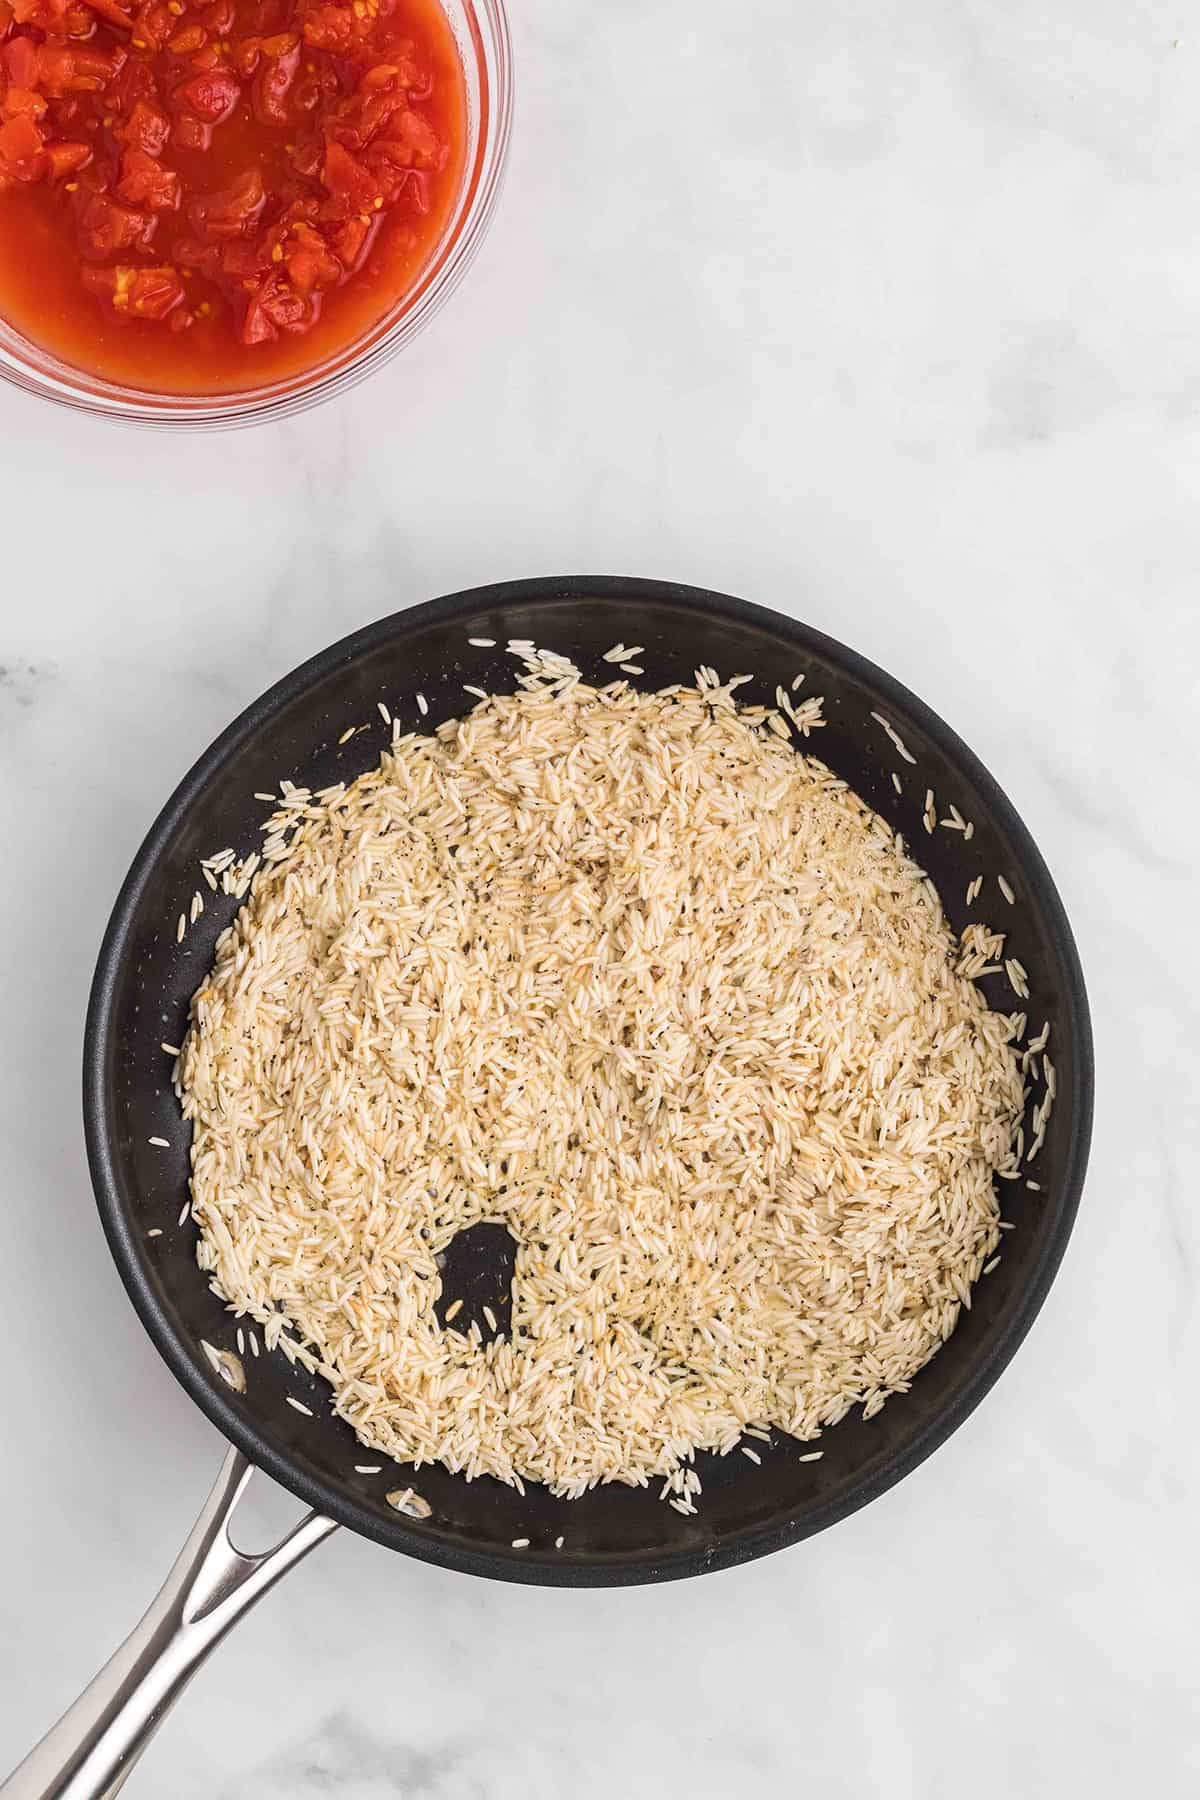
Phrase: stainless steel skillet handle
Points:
(90, 1752)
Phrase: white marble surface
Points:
(887, 316)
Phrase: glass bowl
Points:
(481, 30)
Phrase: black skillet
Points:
(140, 998)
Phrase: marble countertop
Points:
(887, 317)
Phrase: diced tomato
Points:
(201, 103)
(277, 71)
(147, 128)
(145, 182)
(134, 83)
(246, 56)
(235, 211)
(244, 259)
(365, 115)
(46, 15)
(307, 94)
(351, 187)
(411, 184)
(73, 19)
(220, 17)
(399, 72)
(190, 253)
(275, 307)
(155, 23)
(331, 28)
(416, 135)
(21, 146)
(21, 102)
(300, 212)
(188, 41)
(309, 261)
(352, 240)
(107, 228)
(73, 69)
(109, 9)
(66, 159)
(211, 97)
(136, 293)
(19, 61)
(256, 327)
(307, 158)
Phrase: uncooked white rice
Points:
(640, 981)
(899, 742)
(414, 1505)
(226, 1365)
(1017, 977)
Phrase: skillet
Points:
(143, 983)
